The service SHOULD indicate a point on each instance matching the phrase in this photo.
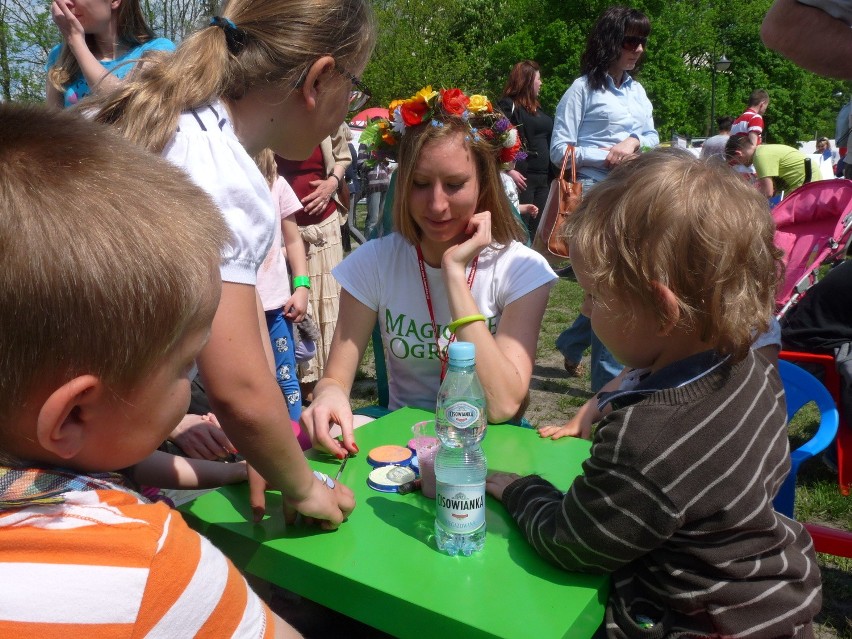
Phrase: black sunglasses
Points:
(632, 43)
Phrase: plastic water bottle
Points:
(460, 465)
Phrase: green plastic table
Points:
(382, 567)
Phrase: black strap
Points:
(807, 170)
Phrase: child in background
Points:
(283, 308)
(529, 210)
(82, 396)
(677, 258)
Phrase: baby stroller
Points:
(813, 226)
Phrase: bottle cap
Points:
(462, 353)
(388, 479)
(390, 454)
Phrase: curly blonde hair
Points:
(693, 226)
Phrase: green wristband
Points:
(302, 280)
(455, 325)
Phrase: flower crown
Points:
(382, 136)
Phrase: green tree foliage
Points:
(26, 36)
(473, 44)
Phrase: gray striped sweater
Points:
(676, 503)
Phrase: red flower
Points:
(507, 155)
(454, 101)
(413, 111)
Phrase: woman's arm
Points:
(566, 124)
(252, 410)
(355, 322)
(504, 362)
(295, 307)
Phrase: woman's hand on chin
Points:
(478, 231)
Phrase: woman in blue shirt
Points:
(102, 40)
(607, 117)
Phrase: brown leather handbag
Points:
(562, 200)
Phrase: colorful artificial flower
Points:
(454, 102)
(479, 104)
(427, 93)
(435, 107)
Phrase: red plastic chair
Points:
(831, 540)
(831, 380)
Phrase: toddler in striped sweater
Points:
(676, 256)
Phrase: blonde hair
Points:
(107, 254)
(693, 226)
(283, 38)
(132, 31)
(265, 161)
(504, 225)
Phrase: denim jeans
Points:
(373, 223)
(574, 341)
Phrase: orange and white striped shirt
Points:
(103, 564)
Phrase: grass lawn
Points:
(555, 396)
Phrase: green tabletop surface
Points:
(382, 566)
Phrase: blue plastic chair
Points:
(801, 387)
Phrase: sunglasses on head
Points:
(632, 43)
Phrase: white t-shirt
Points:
(511, 189)
(206, 147)
(273, 281)
(383, 274)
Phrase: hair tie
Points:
(235, 38)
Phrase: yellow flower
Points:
(478, 104)
(427, 93)
(394, 104)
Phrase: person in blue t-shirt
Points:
(102, 41)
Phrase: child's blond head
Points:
(108, 254)
(693, 226)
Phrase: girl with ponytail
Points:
(278, 74)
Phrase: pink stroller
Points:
(813, 226)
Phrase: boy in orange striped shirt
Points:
(109, 283)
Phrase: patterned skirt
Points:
(324, 251)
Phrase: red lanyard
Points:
(442, 352)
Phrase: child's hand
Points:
(235, 473)
(576, 427)
(67, 23)
(496, 483)
(296, 307)
(528, 209)
(201, 437)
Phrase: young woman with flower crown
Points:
(455, 268)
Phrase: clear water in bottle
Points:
(460, 499)
(460, 465)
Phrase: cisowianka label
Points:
(460, 509)
(462, 414)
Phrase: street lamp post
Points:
(721, 65)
